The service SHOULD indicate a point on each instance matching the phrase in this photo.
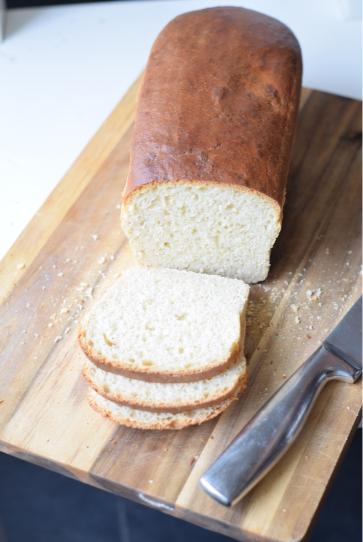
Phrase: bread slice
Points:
(169, 397)
(143, 419)
(167, 325)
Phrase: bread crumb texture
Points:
(163, 320)
(202, 226)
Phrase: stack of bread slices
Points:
(165, 348)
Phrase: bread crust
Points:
(172, 423)
(149, 374)
(219, 104)
(234, 392)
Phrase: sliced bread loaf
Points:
(169, 397)
(212, 142)
(167, 325)
(143, 419)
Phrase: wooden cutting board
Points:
(73, 248)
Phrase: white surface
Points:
(63, 69)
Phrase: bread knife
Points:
(268, 435)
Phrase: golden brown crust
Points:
(172, 423)
(149, 374)
(218, 105)
(164, 407)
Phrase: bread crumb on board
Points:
(314, 295)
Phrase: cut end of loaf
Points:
(202, 226)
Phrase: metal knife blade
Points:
(345, 341)
(267, 436)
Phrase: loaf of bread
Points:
(212, 142)
(167, 396)
(167, 325)
(143, 419)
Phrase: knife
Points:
(268, 435)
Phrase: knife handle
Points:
(273, 429)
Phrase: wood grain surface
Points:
(73, 248)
